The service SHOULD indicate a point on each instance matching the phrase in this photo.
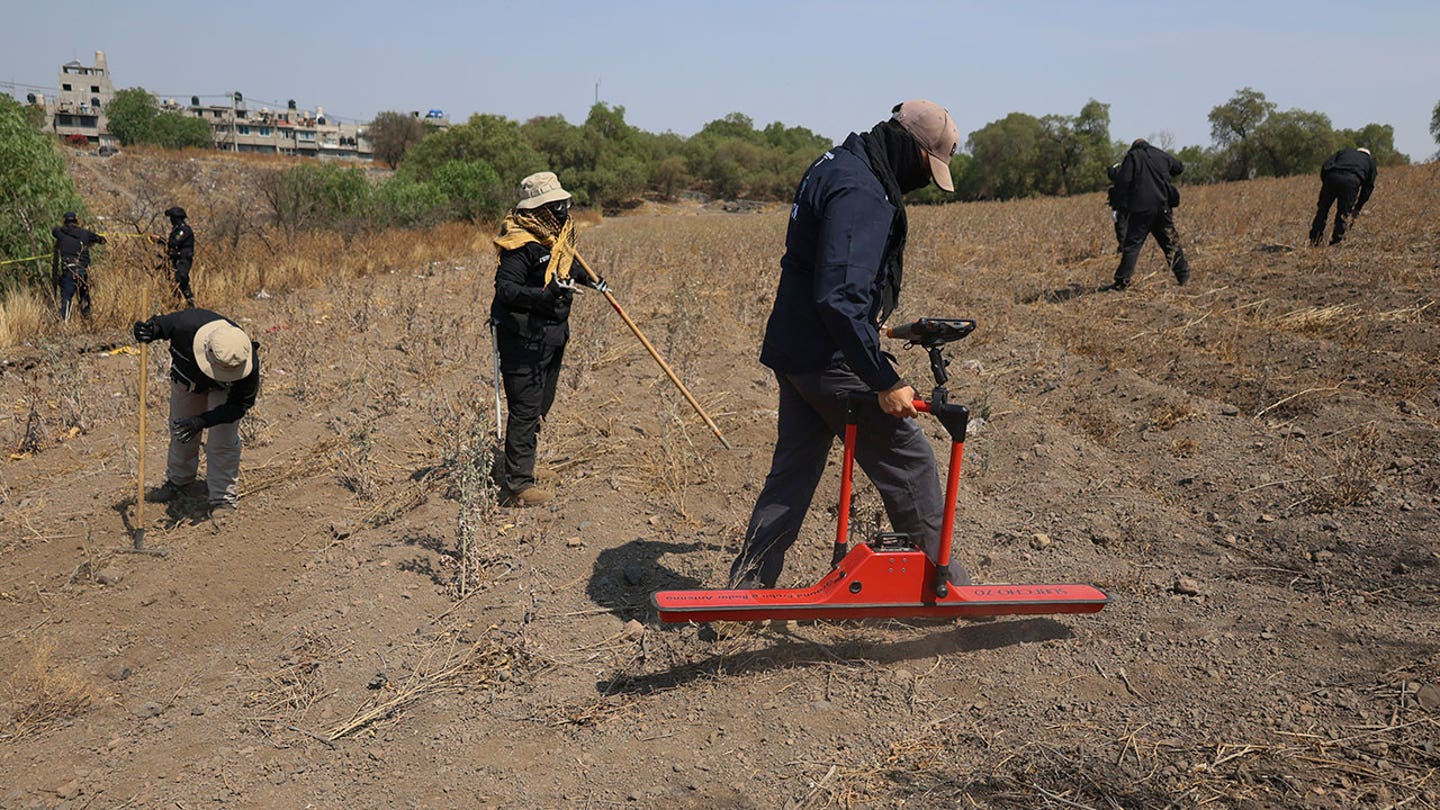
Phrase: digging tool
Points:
(665, 367)
(889, 576)
(138, 539)
(495, 346)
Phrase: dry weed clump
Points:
(1345, 474)
(1169, 415)
(284, 696)
(447, 663)
(41, 696)
(471, 461)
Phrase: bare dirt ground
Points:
(1247, 464)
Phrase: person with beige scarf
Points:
(531, 313)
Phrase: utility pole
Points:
(597, 90)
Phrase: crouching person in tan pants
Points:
(215, 377)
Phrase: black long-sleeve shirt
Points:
(180, 244)
(522, 306)
(1143, 181)
(1356, 164)
(179, 328)
(72, 246)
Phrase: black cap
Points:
(175, 212)
(71, 217)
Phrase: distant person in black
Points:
(180, 252)
(70, 263)
(1146, 197)
(534, 288)
(1112, 196)
(1346, 179)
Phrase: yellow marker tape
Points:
(26, 259)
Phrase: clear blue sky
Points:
(831, 66)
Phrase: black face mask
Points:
(912, 167)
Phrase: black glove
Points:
(184, 430)
(145, 331)
(561, 290)
(597, 285)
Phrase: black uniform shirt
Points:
(181, 242)
(72, 244)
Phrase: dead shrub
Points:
(1345, 475)
(1169, 415)
(41, 696)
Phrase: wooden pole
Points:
(665, 367)
(144, 400)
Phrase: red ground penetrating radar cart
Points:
(889, 576)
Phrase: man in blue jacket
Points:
(839, 280)
(1346, 181)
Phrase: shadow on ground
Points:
(624, 577)
(794, 650)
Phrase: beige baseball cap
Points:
(223, 351)
(936, 132)
(541, 188)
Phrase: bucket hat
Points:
(223, 351)
(541, 188)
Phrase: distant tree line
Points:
(470, 171)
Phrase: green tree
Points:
(1378, 138)
(1232, 125)
(1202, 165)
(1291, 142)
(471, 189)
(35, 189)
(131, 112)
(172, 130)
(404, 203)
(1435, 123)
(135, 117)
(494, 139)
(319, 195)
(670, 176)
(1005, 159)
(392, 134)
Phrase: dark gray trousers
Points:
(894, 454)
(1161, 225)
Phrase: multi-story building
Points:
(79, 110)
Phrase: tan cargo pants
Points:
(222, 446)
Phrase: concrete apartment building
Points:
(78, 109)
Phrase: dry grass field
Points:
(1247, 464)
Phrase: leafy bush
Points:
(37, 189)
(471, 189)
(318, 195)
(403, 203)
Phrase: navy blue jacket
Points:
(179, 328)
(831, 280)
